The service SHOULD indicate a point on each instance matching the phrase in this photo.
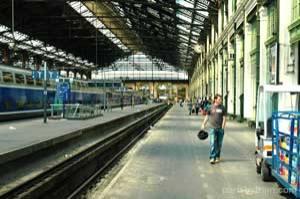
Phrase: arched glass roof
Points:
(168, 29)
(96, 33)
(140, 67)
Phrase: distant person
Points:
(217, 121)
(132, 100)
(122, 102)
(197, 106)
(207, 105)
(181, 103)
(190, 106)
(201, 105)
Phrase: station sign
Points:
(39, 74)
(63, 91)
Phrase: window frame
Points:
(17, 75)
(12, 77)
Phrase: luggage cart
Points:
(270, 99)
(285, 150)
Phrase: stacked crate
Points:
(285, 151)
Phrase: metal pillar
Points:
(45, 92)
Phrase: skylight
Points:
(88, 15)
(185, 3)
(140, 66)
(182, 28)
(35, 46)
(3, 28)
(187, 19)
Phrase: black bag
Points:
(202, 135)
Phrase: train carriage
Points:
(21, 96)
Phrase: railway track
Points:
(69, 178)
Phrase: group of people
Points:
(200, 104)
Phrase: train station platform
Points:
(170, 162)
(23, 137)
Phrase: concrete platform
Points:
(20, 138)
(170, 162)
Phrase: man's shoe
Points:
(217, 160)
(212, 161)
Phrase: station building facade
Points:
(251, 43)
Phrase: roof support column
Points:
(24, 58)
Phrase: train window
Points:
(19, 78)
(108, 94)
(91, 84)
(109, 85)
(29, 80)
(100, 85)
(117, 85)
(51, 84)
(7, 77)
(39, 82)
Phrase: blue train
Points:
(22, 97)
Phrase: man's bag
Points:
(202, 135)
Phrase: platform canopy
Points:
(103, 31)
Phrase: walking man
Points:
(217, 121)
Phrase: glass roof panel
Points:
(185, 18)
(183, 28)
(22, 46)
(5, 40)
(128, 22)
(184, 37)
(153, 12)
(88, 15)
(195, 33)
(24, 43)
(20, 36)
(205, 13)
(185, 3)
(193, 41)
(185, 12)
(8, 35)
(50, 48)
(3, 28)
(36, 43)
(203, 3)
(117, 6)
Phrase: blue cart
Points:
(285, 150)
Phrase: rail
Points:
(73, 175)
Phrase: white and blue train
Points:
(21, 96)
